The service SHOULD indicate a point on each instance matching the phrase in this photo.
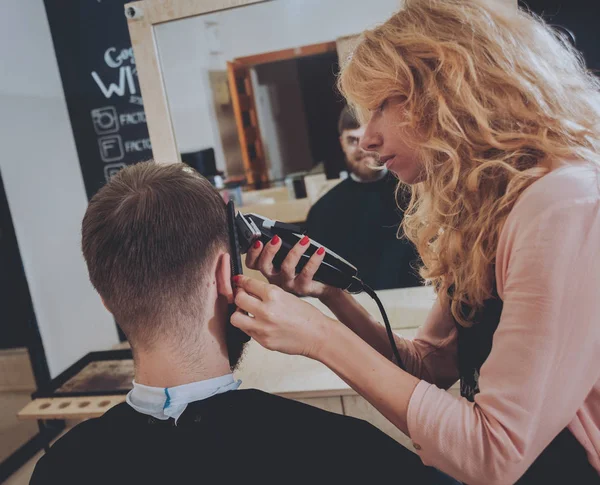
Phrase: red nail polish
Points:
(304, 241)
(236, 278)
(275, 240)
(320, 251)
(256, 245)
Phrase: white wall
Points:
(284, 24)
(45, 189)
(185, 49)
(188, 89)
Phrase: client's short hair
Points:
(347, 120)
(148, 238)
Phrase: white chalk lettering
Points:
(132, 118)
(138, 145)
(116, 60)
(125, 80)
(136, 100)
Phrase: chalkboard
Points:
(101, 87)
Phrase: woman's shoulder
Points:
(566, 199)
(574, 183)
(556, 219)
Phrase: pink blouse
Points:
(543, 373)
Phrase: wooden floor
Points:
(16, 385)
(22, 476)
(14, 433)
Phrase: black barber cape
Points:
(244, 436)
(359, 221)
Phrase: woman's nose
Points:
(371, 140)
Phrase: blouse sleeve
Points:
(432, 354)
(544, 358)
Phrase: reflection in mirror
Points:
(251, 90)
(252, 95)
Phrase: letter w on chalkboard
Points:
(125, 80)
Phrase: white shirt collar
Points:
(382, 174)
(164, 403)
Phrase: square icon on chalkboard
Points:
(105, 120)
(113, 168)
(111, 148)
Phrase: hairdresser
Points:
(494, 122)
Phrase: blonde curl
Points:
(496, 97)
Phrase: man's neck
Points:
(169, 364)
(162, 369)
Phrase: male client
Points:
(155, 242)
(359, 218)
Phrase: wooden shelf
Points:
(69, 407)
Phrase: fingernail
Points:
(304, 241)
(236, 278)
(320, 251)
(275, 240)
(256, 245)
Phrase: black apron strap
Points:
(564, 460)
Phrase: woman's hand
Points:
(280, 321)
(346, 309)
(261, 259)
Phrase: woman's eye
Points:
(381, 106)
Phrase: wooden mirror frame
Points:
(142, 17)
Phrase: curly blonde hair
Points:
(495, 97)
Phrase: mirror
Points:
(281, 58)
(252, 97)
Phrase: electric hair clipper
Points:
(236, 269)
(246, 229)
(334, 270)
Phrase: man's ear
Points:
(223, 276)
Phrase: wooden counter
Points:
(292, 211)
(300, 377)
(276, 203)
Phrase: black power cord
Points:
(371, 292)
